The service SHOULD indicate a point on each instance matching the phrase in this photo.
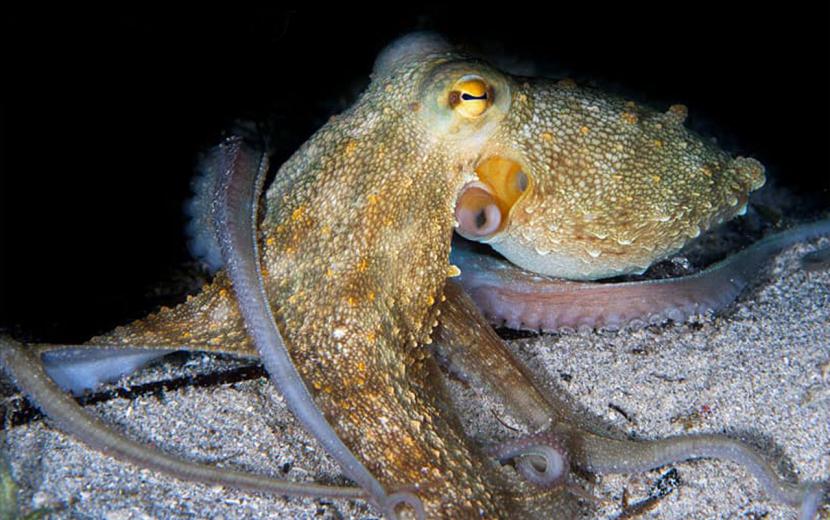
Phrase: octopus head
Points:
(563, 180)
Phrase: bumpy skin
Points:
(208, 321)
(354, 273)
(356, 240)
(617, 185)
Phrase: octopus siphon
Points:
(350, 289)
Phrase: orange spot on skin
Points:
(630, 118)
(372, 198)
(371, 296)
(547, 136)
(352, 301)
(351, 146)
(297, 214)
(656, 178)
(584, 130)
(658, 143)
(362, 265)
(678, 113)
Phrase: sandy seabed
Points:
(759, 371)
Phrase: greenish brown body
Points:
(355, 274)
(617, 186)
(357, 233)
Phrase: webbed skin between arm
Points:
(356, 239)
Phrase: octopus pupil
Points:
(521, 181)
(469, 97)
(540, 464)
(481, 219)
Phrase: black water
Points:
(103, 114)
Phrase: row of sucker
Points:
(518, 299)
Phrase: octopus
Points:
(350, 289)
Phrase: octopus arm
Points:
(604, 455)
(523, 300)
(79, 369)
(477, 354)
(22, 365)
(235, 209)
(207, 322)
(352, 342)
(470, 349)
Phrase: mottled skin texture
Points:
(356, 238)
(355, 275)
(616, 185)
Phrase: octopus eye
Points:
(484, 204)
(471, 97)
(477, 212)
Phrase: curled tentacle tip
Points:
(540, 458)
(404, 504)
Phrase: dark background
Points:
(103, 114)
